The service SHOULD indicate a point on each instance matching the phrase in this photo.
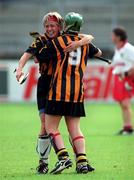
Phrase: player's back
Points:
(74, 57)
(69, 69)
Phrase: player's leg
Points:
(43, 147)
(122, 96)
(127, 116)
(43, 143)
(78, 143)
(42, 128)
(52, 124)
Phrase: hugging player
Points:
(66, 94)
(52, 23)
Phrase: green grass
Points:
(111, 155)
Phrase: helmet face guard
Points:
(73, 22)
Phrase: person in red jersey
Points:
(123, 70)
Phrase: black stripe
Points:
(72, 38)
(57, 43)
(65, 40)
(86, 57)
(42, 71)
(63, 87)
(82, 161)
(54, 80)
(65, 66)
(72, 82)
(54, 85)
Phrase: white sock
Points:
(44, 147)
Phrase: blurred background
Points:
(18, 18)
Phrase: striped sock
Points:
(62, 153)
(81, 159)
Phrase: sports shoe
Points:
(61, 165)
(84, 168)
(126, 132)
(90, 168)
(42, 168)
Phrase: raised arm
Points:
(85, 39)
(94, 51)
(33, 49)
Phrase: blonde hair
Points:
(55, 15)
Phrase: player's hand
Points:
(121, 76)
(72, 46)
(35, 60)
(19, 73)
(86, 39)
(131, 72)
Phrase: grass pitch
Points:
(111, 155)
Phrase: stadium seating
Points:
(17, 18)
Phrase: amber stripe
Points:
(59, 73)
(56, 71)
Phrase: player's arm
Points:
(23, 60)
(94, 51)
(85, 39)
(30, 52)
(131, 71)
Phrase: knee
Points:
(125, 105)
(74, 131)
(73, 127)
(50, 130)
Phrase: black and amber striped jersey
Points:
(67, 79)
(34, 49)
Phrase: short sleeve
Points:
(35, 47)
(46, 53)
(92, 51)
(130, 54)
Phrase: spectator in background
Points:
(123, 70)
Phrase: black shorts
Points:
(42, 92)
(65, 108)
